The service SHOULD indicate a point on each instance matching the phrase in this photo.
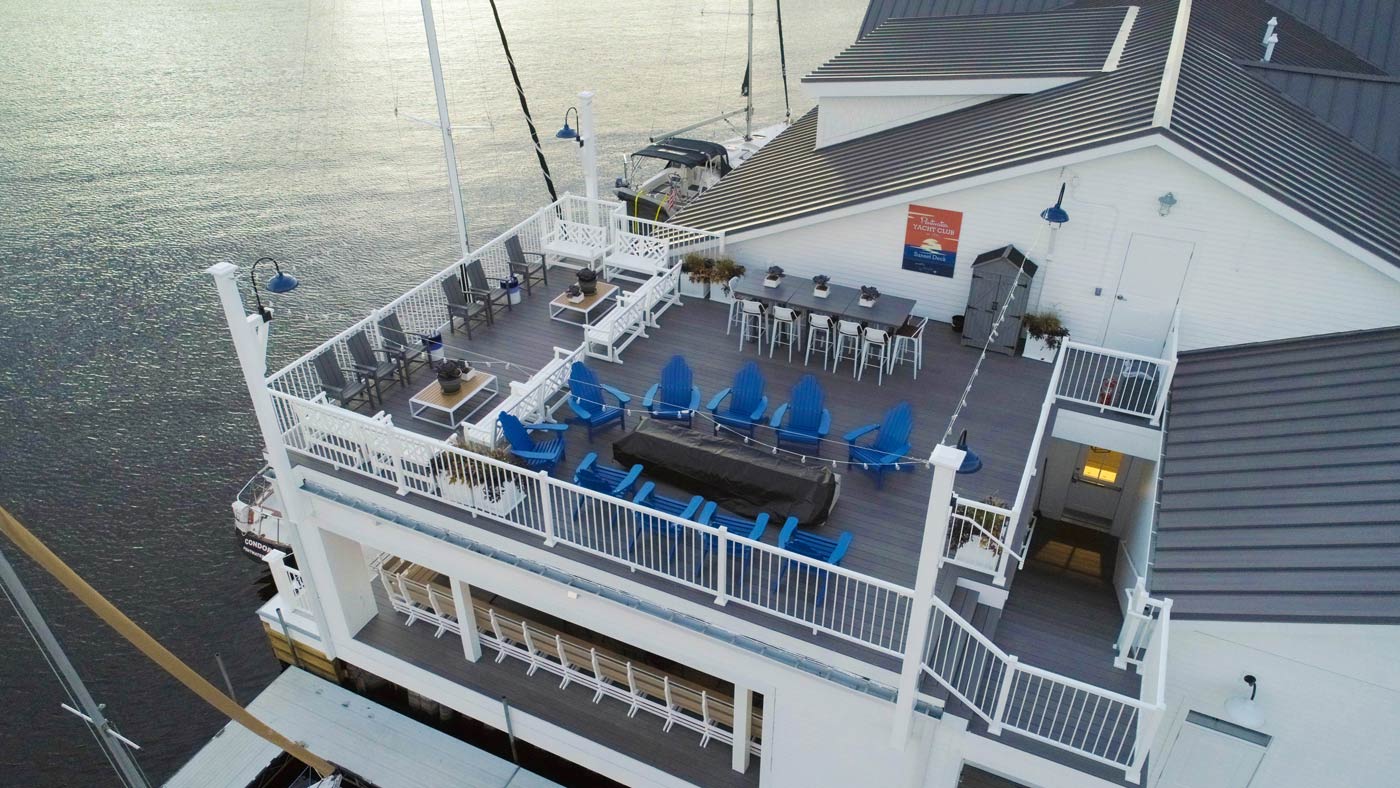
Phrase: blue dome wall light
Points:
(280, 282)
(1055, 214)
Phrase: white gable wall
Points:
(1255, 276)
(845, 118)
(1329, 695)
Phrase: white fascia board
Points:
(1001, 86)
(428, 550)
(1289, 213)
(1089, 430)
(995, 176)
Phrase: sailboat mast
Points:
(748, 71)
(122, 761)
(449, 150)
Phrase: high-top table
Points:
(887, 310)
(838, 298)
(750, 285)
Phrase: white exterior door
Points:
(1148, 288)
(1211, 755)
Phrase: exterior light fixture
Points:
(568, 132)
(1055, 214)
(280, 282)
(971, 462)
(1242, 709)
(1165, 203)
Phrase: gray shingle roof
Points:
(1222, 112)
(1069, 42)
(1280, 495)
(880, 10)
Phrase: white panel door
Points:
(1148, 289)
(1206, 758)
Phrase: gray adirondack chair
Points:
(461, 307)
(376, 365)
(529, 266)
(337, 386)
(479, 289)
(403, 346)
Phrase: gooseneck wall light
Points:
(280, 282)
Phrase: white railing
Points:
(534, 400)
(977, 538)
(1092, 722)
(680, 240)
(853, 607)
(291, 586)
(1113, 380)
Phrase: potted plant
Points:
(469, 480)
(774, 277)
(819, 286)
(868, 295)
(698, 270)
(449, 374)
(1045, 332)
(725, 269)
(588, 281)
(574, 294)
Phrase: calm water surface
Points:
(141, 142)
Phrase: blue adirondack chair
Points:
(747, 402)
(689, 509)
(891, 445)
(820, 548)
(808, 420)
(591, 474)
(538, 455)
(738, 526)
(588, 400)
(675, 398)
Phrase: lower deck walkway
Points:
(677, 752)
(364, 737)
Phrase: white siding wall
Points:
(1254, 277)
(848, 117)
(1329, 694)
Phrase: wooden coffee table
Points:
(582, 313)
(450, 410)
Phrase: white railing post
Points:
(1133, 621)
(722, 566)
(945, 460)
(276, 561)
(546, 508)
(1008, 677)
(1162, 389)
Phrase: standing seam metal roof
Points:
(1365, 108)
(1221, 113)
(1280, 494)
(1074, 41)
(880, 10)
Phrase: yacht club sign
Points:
(931, 240)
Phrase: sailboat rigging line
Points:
(524, 105)
(31, 546)
(782, 63)
(130, 772)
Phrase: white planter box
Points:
(476, 497)
(821, 293)
(691, 289)
(1038, 350)
(721, 295)
(973, 554)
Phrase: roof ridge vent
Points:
(1270, 38)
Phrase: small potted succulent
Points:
(449, 374)
(574, 293)
(868, 295)
(819, 286)
(774, 277)
(588, 281)
(1045, 332)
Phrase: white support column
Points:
(249, 334)
(466, 619)
(946, 461)
(588, 152)
(743, 717)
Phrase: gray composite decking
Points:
(1001, 414)
(677, 752)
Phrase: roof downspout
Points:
(1166, 96)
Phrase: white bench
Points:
(636, 254)
(585, 243)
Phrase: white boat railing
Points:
(852, 606)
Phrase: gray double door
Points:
(984, 304)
